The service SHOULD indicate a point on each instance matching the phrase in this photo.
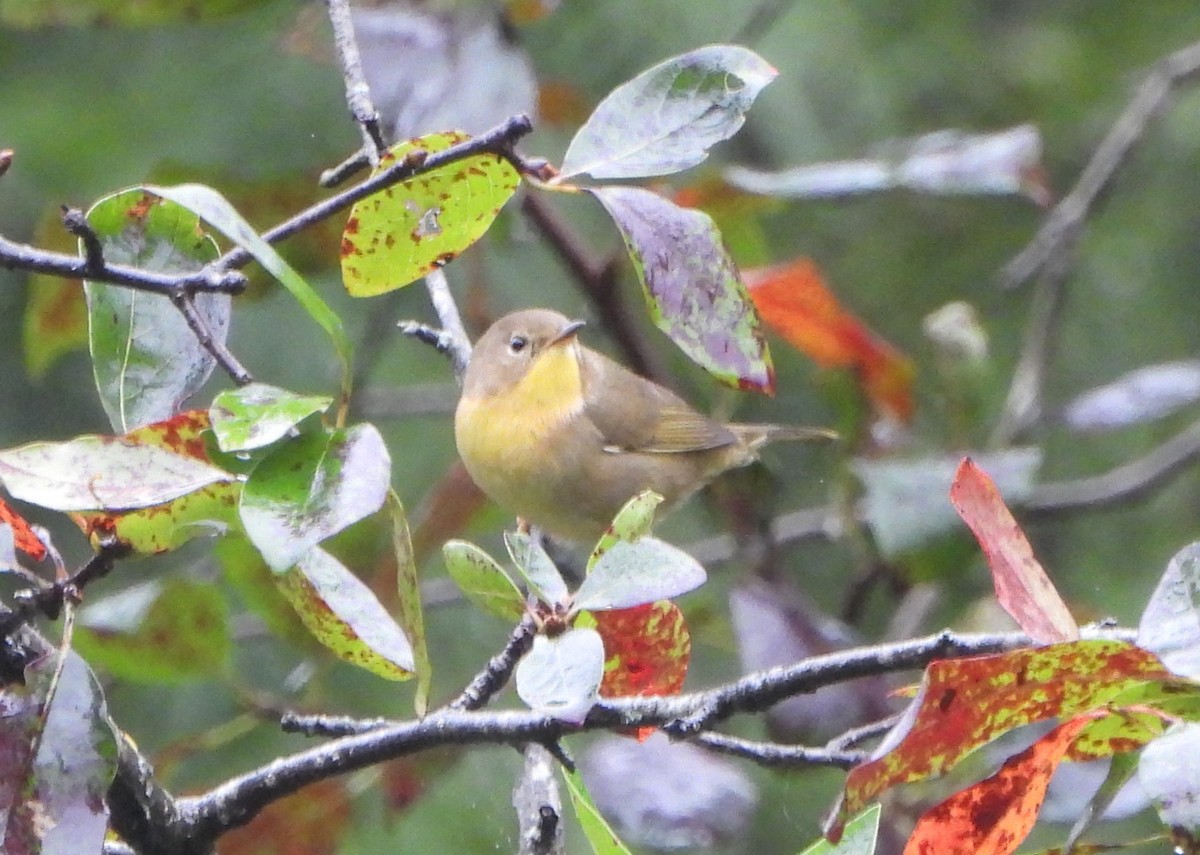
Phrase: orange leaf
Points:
(24, 537)
(996, 815)
(647, 649)
(1022, 586)
(966, 703)
(794, 301)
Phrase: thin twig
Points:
(1129, 481)
(459, 346)
(772, 754)
(49, 600)
(499, 668)
(76, 223)
(857, 735)
(538, 804)
(1061, 227)
(229, 363)
(358, 94)
(335, 175)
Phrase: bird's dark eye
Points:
(517, 343)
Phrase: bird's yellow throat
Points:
(548, 394)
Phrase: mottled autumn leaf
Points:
(996, 815)
(1022, 586)
(310, 822)
(965, 703)
(24, 537)
(793, 299)
(646, 651)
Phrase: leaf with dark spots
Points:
(966, 703)
(342, 613)
(257, 415)
(996, 815)
(312, 487)
(435, 216)
(691, 285)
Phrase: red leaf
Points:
(1022, 586)
(792, 299)
(23, 536)
(996, 815)
(310, 822)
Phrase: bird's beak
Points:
(567, 332)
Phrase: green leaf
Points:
(691, 285)
(408, 587)
(242, 566)
(482, 580)
(560, 676)
(536, 567)
(157, 632)
(102, 473)
(859, 837)
(666, 118)
(399, 234)
(907, 502)
(57, 759)
(214, 209)
(599, 833)
(631, 522)
(256, 415)
(146, 359)
(343, 614)
(312, 487)
(632, 574)
(1122, 767)
(106, 13)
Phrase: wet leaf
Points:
(1170, 624)
(312, 487)
(965, 703)
(215, 210)
(242, 566)
(257, 415)
(102, 472)
(631, 522)
(536, 567)
(670, 796)
(600, 835)
(859, 837)
(691, 285)
(666, 118)
(906, 502)
(482, 580)
(146, 358)
(343, 614)
(636, 573)
(410, 615)
(1171, 777)
(1022, 586)
(793, 300)
(211, 510)
(57, 760)
(399, 234)
(157, 632)
(647, 650)
(996, 815)
(560, 676)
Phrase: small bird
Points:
(562, 436)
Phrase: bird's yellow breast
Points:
(502, 437)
